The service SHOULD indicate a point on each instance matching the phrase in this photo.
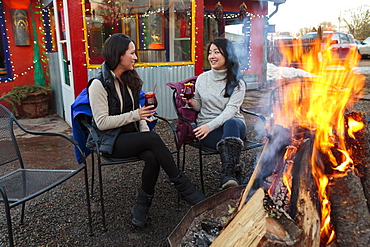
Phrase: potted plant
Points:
(34, 99)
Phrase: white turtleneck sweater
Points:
(214, 109)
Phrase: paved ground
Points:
(51, 123)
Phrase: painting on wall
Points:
(21, 27)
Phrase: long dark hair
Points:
(114, 47)
(233, 74)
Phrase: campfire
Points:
(310, 186)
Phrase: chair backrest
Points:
(8, 144)
(185, 116)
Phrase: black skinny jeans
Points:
(149, 147)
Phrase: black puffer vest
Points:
(107, 138)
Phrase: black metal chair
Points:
(23, 184)
(106, 160)
(189, 118)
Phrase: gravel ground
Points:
(58, 218)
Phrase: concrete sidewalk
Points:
(51, 123)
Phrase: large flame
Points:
(319, 104)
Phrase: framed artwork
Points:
(21, 27)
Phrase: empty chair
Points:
(27, 181)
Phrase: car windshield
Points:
(314, 35)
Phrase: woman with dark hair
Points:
(219, 93)
(122, 125)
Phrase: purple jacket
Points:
(184, 130)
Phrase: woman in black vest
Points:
(122, 124)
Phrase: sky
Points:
(295, 14)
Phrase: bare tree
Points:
(357, 21)
(327, 26)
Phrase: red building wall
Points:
(21, 57)
(78, 45)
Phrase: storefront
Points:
(171, 38)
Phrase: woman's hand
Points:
(145, 112)
(191, 101)
(201, 132)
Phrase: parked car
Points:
(341, 44)
(364, 47)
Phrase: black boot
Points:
(141, 208)
(187, 190)
(230, 149)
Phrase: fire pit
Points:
(197, 215)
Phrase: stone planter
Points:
(36, 105)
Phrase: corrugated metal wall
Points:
(160, 76)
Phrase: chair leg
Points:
(92, 173)
(9, 223)
(101, 195)
(183, 168)
(183, 157)
(22, 213)
(178, 166)
(201, 169)
(8, 216)
(88, 200)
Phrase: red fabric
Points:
(184, 130)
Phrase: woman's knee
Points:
(234, 127)
(233, 123)
(152, 135)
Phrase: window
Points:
(236, 30)
(344, 38)
(5, 66)
(160, 29)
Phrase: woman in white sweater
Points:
(219, 93)
(122, 127)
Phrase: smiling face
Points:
(129, 58)
(215, 58)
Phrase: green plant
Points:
(19, 93)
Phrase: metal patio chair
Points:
(105, 160)
(188, 116)
(27, 182)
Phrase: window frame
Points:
(147, 64)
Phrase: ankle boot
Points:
(141, 208)
(187, 190)
(230, 149)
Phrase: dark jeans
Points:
(149, 147)
(233, 127)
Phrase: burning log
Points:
(271, 158)
(304, 203)
(349, 213)
(360, 146)
(248, 227)
(259, 223)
